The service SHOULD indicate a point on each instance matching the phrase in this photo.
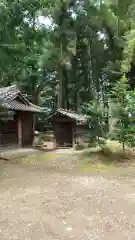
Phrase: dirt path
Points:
(37, 204)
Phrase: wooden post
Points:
(20, 132)
(33, 129)
(74, 136)
(54, 143)
(54, 138)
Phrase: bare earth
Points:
(38, 203)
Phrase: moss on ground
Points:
(93, 168)
(111, 159)
(106, 165)
(35, 158)
(96, 166)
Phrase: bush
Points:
(92, 141)
(79, 147)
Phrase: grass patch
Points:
(96, 165)
(113, 146)
(97, 168)
(36, 158)
(91, 167)
(110, 158)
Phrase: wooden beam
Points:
(20, 132)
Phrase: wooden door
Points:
(63, 134)
(27, 129)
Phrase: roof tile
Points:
(75, 116)
(8, 97)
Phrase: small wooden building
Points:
(16, 118)
(69, 127)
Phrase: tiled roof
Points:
(9, 92)
(8, 97)
(80, 118)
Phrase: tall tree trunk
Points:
(36, 96)
(94, 82)
(61, 79)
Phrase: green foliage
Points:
(73, 60)
(129, 50)
(95, 110)
(124, 111)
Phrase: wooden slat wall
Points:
(9, 132)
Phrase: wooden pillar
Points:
(54, 135)
(0, 134)
(54, 139)
(74, 136)
(54, 143)
(34, 122)
(33, 128)
(20, 132)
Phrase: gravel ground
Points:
(37, 204)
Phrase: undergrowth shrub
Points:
(79, 147)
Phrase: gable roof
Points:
(8, 97)
(79, 118)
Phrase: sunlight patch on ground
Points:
(114, 146)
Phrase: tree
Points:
(75, 60)
(124, 111)
(95, 111)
